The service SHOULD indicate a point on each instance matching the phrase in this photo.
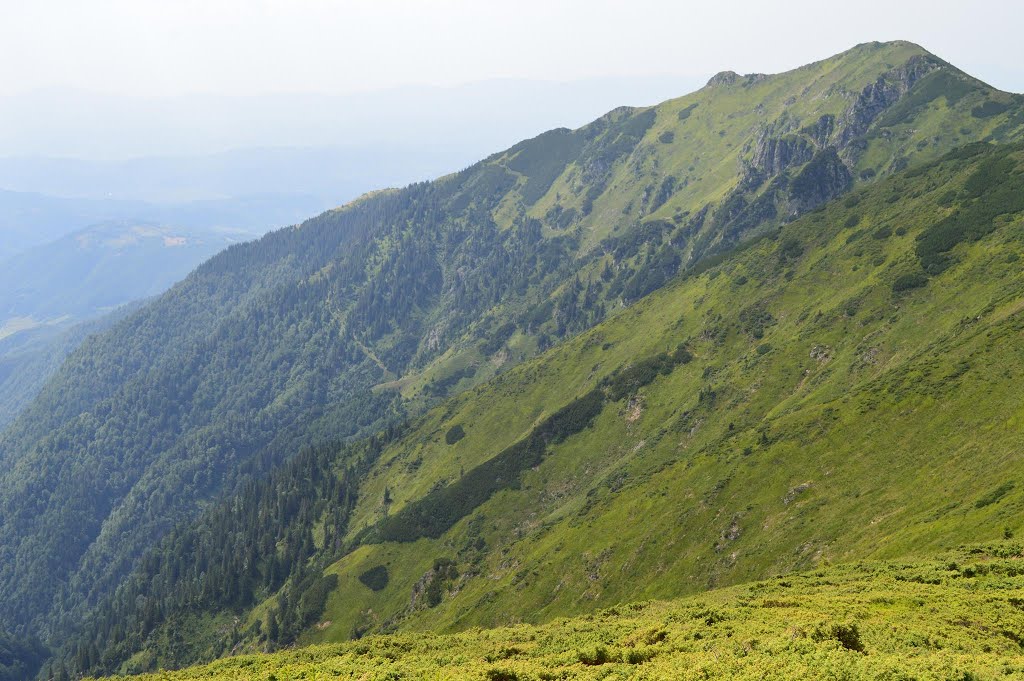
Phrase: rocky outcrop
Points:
(878, 96)
(732, 78)
(821, 130)
(723, 78)
(772, 155)
(821, 180)
(795, 165)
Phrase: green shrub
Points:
(454, 434)
(595, 656)
(990, 191)
(989, 109)
(440, 387)
(848, 636)
(995, 495)
(314, 599)
(948, 198)
(627, 381)
(443, 571)
(542, 159)
(905, 282)
(790, 248)
(665, 191)
(376, 578)
(498, 339)
(637, 656)
(754, 319)
(435, 513)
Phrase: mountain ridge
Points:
(287, 342)
(782, 410)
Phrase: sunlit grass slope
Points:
(841, 403)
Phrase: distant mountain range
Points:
(312, 178)
(468, 119)
(28, 220)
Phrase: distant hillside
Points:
(30, 220)
(366, 316)
(48, 291)
(101, 267)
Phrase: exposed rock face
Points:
(796, 164)
(732, 78)
(794, 492)
(819, 147)
(772, 155)
(723, 78)
(821, 130)
(821, 180)
(821, 353)
(878, 96)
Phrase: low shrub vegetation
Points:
(913, 620)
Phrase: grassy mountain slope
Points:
(784, 407)
(949, 617)
(370, 313)
(832, 381)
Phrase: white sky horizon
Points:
(122, 79)
(245, 48)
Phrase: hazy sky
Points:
(167, 47)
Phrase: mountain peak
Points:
(889, 45)
(893, 51)
(899, 49)
(723, 78)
